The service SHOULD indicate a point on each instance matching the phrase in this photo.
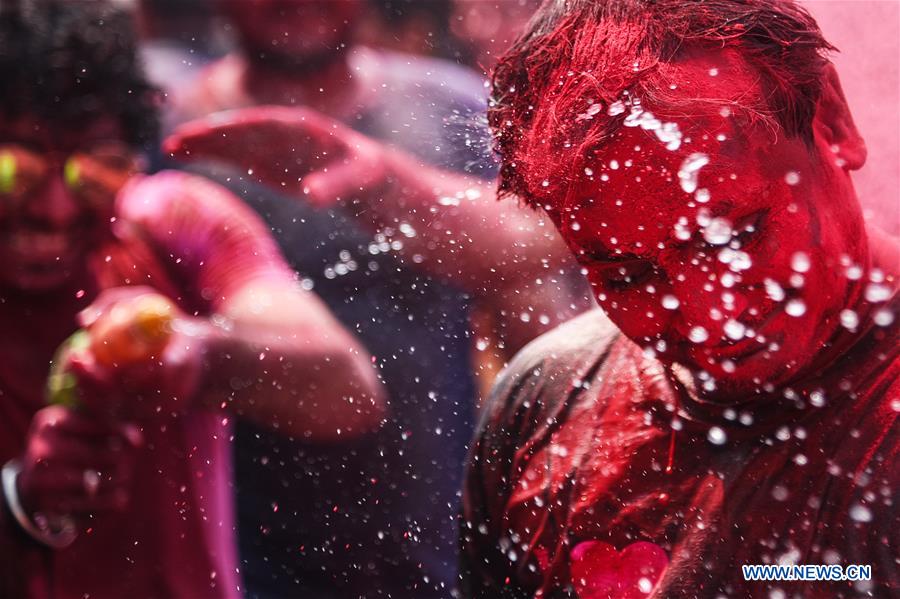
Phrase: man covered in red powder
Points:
(735, 402)
(127, 494)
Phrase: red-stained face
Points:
(728, 254)
(293, 28)
(57, 191)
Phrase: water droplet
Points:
(792, 177)
(860, 513)
(718, 231)
(698, 334)
(817, 398)
(849, 319)
(774, 290)
(854, 273)
(795, 307)
(734, 330)
(735, 259)
(616, 108)
(644, 585)
(883, 317)
(690, 170)
(716, 436)
(780, 493)
(877, 293)
(800, 262)
(670, 302)
(682, 232)
(702, 195)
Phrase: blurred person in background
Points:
(370, 518)
(413, 27)
(177, 38)
(121, 488)
(488, 27)
(735, 401)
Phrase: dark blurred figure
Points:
(488, 27)
(414, 27)
(184, 21)
(371, 518)
(177, 39)
(121, 487)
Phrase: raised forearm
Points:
(292, 368)
(460, 230)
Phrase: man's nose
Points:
(53, 204)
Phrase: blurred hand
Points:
(76, 464)
(296, 150)
(136, 387)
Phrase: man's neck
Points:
(323, 83)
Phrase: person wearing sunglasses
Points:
(124, 491)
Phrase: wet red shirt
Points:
(595, 473)
(194, 242)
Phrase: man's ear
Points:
(835, 124)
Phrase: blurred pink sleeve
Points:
(210, 243)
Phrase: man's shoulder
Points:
(553, 364)
(569, 344)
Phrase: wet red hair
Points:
(577, 52)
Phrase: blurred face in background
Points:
(733, 252)
(295, 29)
(490, 26)
(57, 193)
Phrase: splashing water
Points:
(718, 231)
(734, 330)
(616, 108)
(877, 293)
(689, 172)
(800, 262)
(849, 319)
(860, 513)
(883, 317)
(716, 436)
(795, 307)
(698, 334)
(670, 302)
(668, 133)
(774, 290)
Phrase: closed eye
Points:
(625, 275)
(749, 228)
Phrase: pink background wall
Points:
(867, 33)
